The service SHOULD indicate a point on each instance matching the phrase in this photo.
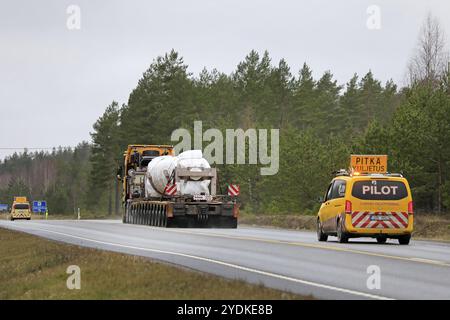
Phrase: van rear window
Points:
(379, 190)
(21, 206)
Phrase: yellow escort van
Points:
(20, 209)
(376, 205)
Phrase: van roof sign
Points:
(368, 163)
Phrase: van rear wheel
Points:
(341, 235)
(404, 240)
(381, 240)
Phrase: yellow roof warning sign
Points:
(368, 163)
(20, 199)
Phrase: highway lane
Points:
(283, 259)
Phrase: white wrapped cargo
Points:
(160, 170)
(157, 176)
(194, 161)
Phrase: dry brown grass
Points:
(432, 226)
(35, 268)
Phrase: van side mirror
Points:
(320, 199)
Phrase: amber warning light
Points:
(368, 163)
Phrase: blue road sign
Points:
(3, 207)
(39, 206)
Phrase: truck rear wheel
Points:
(141, 215)
(161, 221)
(161, 215)
(164, 217)
(145, 216)
(158, 219)
(154, 218)
(148, 214)
(137, 215)
(133, 215)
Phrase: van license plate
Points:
(379, 218)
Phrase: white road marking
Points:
(231, 265)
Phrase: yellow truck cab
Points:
(376, 205)
(20, 209)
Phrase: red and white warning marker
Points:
(234, 190)
(170, 189)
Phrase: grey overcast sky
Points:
(55, 82)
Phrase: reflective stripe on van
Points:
(379, 220)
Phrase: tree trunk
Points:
(439, 186)
(110, 200)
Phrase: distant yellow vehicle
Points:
(377, 205)
(20, 209)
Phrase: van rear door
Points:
(380, 204)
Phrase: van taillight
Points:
(348, 206)
(410, 207)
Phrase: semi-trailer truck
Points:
(164, 190)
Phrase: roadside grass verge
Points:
(432, 226)
(426, 226)
(35, 268)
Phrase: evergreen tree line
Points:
(321, 123)
(319, 120)
(59, 177)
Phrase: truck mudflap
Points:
(203, 221)
(182, 215)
